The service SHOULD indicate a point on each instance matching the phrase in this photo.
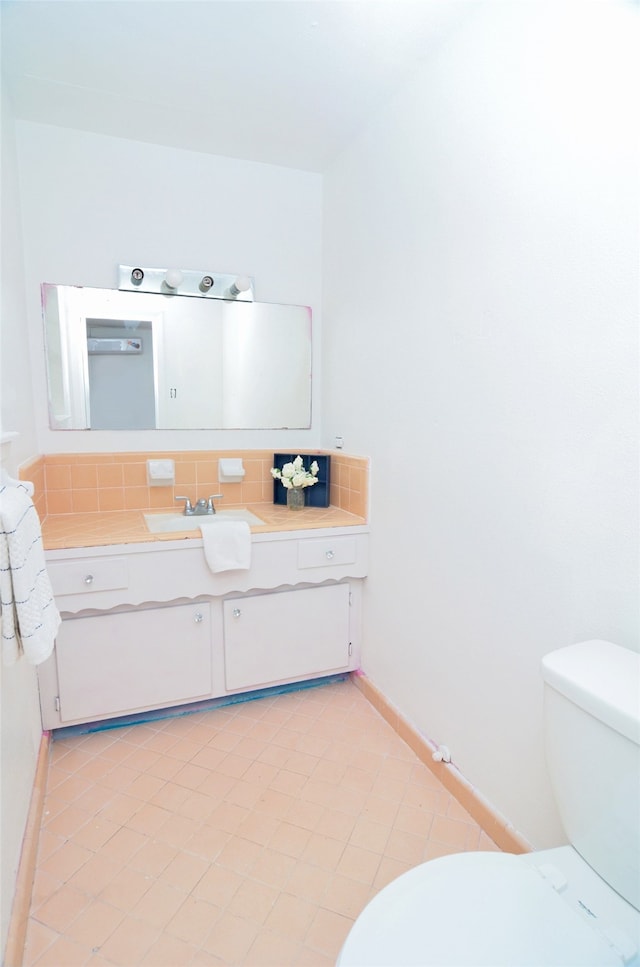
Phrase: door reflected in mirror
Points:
(136, 361)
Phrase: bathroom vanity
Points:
(148, 625)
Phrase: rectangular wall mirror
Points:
(136, 361)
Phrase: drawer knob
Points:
(236, 612)
(330, 554)
(198, 617)
(89, 579)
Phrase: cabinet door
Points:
(286, 636)
(114, 663)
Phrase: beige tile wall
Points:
(73, 483)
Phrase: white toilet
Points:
(573, 905)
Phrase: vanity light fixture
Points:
(172, 282)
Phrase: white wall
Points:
(20, 727)
(480, 343)
(92, 202)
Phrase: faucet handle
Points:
(210, 508)
(188, 508)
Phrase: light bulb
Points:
(173, 278)
(242, 283)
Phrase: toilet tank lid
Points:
(601, 678)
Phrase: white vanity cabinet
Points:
(148, 626)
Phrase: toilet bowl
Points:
(546, 909)
(572, 906)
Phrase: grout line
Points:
(14, 950)
(494, 824)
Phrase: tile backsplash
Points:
(75, 483)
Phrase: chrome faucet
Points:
(202, 507)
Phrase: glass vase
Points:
(295, 498)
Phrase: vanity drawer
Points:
(88, 574)
(327, 552)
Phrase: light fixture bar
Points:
(173, 281)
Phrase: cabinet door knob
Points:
(236, 612)
(89, 579)
(330, 554)
(198, 617)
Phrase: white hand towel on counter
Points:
(30, 618)
(227, 544)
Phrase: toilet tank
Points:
(592, 738)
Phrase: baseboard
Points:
(14, 950)
(492, 822)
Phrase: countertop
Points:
(128, 526)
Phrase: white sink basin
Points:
(172, 521)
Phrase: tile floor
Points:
(252, 834)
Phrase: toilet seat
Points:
(479, 910)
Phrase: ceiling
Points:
(285, 82)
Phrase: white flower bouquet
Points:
(294, 474)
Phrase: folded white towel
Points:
(30, 618)
(227, 544)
